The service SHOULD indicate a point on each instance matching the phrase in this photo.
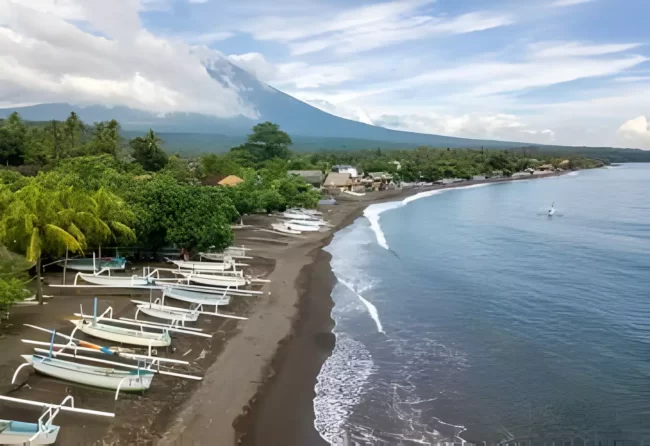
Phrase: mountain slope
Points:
(294, 116)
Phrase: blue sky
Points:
(557, 71)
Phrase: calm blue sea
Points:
(470, 314)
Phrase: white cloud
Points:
(208, 38)
(578, 49)
(256, 64)
(563, 3)
(635, 132)
(358, 29)
(45, 58)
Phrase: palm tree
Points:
(37, 222)
(114, 217)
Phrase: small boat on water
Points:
(106, 378)
(42, 432)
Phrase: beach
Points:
(258, 375)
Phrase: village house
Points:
(338, 181)
(378, 180)
(313, 177)
(344, 168)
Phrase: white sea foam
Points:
(374, 314)
(573, 174)
(340, 385)
(373, 211)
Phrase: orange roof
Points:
(230, 180)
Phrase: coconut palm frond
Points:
(76, 233)
(123, 231)
(58, 235)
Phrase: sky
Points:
(574, 72)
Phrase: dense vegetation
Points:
(68, 187)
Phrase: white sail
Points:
(105, 378)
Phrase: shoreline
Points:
(282, 410)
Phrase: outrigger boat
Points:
(151, 363)
(228, 263)
(235, 252)
(105, 378)
(43, 432)
(102, 279)
(216, 280)
(92, 264)
(120, 335)
(196, 297)
(281, 227)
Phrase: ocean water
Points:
(469, 314)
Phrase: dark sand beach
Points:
(259, 374)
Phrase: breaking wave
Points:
(373, 212)
(374, 314)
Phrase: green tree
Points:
(114, 217)
(105, 138)
(13, 140)
(267, 141)
(73, 128)
(147, 152)
(33, 223)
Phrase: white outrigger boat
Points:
(176, 314)
(227, 264)
(235, 252)
(120, 335)
(105, 378)
(196, 297)
(297, 226)
(316, 224)
(43, 432)
(292, 215)
(104, 278)
(281, 227)
(216, 280)
(151, 363)
(88, 264)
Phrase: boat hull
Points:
(160, 313)
(126, 282)
(104, 378)
(203, 266)
(220, 281)
(87, 264)
(300, 227)
(283, 229)
(15, 432)
(123, 335)
(195, 297)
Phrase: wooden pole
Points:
(65, 264)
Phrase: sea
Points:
(469, 314)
